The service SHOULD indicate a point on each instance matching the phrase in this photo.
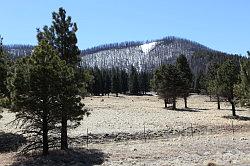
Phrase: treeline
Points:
(18, 51)
(228, 80)
(111, 46)
(201, 61)
(196, 46)
(118, 81)
(165, 40)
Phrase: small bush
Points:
(5, 102)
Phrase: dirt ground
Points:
(214, 138)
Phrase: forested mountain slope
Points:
(143, 55)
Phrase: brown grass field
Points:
(137, 130)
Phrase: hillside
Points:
(143, 55)
(18, 50)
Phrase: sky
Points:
(222, 25)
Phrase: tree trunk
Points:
(64, 136)
(185, 100)
(45, 133)
(116, 94)
(233, 108)
(174, 103)
(165, 102)
(218, 102)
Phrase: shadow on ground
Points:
(240, 110)
(188, 110)
(243, 118)
(10, 142)
(76, 157)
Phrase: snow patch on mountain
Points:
(148, 47)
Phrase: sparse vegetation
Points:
(43, 90)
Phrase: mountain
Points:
(18, 50)
(145, 56)
(142, 55)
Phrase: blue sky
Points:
(219, 24)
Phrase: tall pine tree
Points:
(183, 66)
(106, 75)
(62, 36)
(243, 88)
(124, 82)
(41, 82)
(212, 82)
(144, 82)
(97, 86)
(116, 81)
(134, 81)
(227, 79)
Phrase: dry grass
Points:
(130, 114)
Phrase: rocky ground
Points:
(137, 130)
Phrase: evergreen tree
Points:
(168, 83)
(212, 82)
(85, 80)
(62, 36)
(144, 81)
(200, 83)
(124, 82)
(243, 89)
(3, 71)
(227, 79)
(97, 83)
(183, 66)
(38, 83)
(115, 81)
(106, 81)
(133, 81)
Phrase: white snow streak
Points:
(148, 47)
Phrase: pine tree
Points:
(85, 80)
(115, 81)
(97, 85)
(144, 82)
(243, 89)
(38, 82)
(134, 81)
(3, 71)
(227, 79)
(212, 82)
(200, 83)
(183, 66)
(124, 82)
(106, 82)
(168, 83)
(62, 36)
